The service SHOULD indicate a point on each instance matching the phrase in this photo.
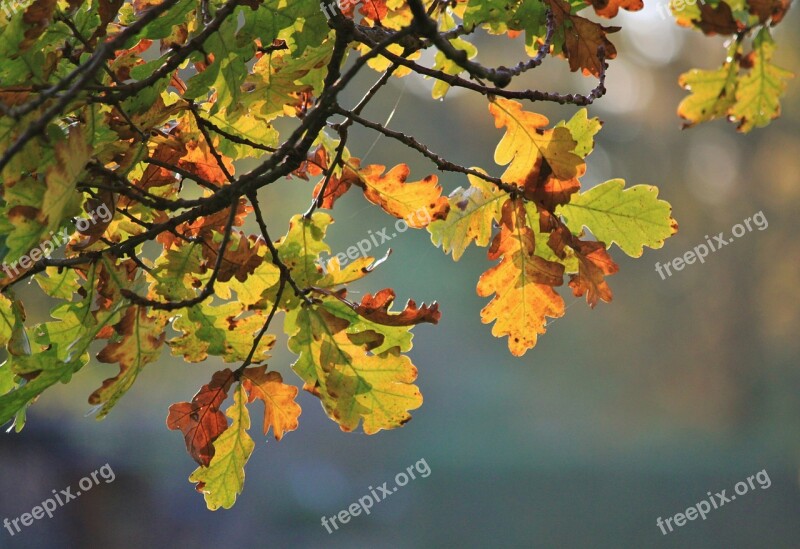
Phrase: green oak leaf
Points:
(632, 218)
(222, 481)
(759, 92)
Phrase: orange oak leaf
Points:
(315, 164)
(522, 283)
(204, 226)
(338, 185)
(560, 235)
(201, 421)
(548, 191)
(376, 309)
(779, 10)
(610, 8)
(534, 154)
(168, 151)
(594, 264)
(199, 160)
(217, 221)
(281, 412)
(418, 202)
(374, 9)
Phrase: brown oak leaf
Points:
(376, 309)
(582, 39)
(594, 264)
(719, 20)
(201, 421)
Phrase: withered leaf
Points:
(201, 421)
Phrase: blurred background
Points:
(620, 415)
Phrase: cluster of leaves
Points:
(747, 88)
(142, 109)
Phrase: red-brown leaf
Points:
(240, 260)
(594, 264)
(376, 309)
(201, 421)
(582, 39)
(719, 20)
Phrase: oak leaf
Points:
(376, 309)
(280, 409)
(138, 342)
(632, 218)
(528, 149)
(712, 93)
(583, 39)
(222, 479)
(717, 19)
(758, 93)
(353, 384)
(472, 212)
(595, 265)
(418, 202)
(522, 284)
(201, 420)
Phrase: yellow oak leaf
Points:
(528, 149)
(139, 342)
(418, 202)
(223, 479)
(522, 283)
(280, 409)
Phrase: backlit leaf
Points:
(472, 212)
(201, 420)
(353, 384)
(222, 480)
(632, 218)
(527, 147)
(280, 409)
(522, 284)
(138, 341)
(759, 92)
